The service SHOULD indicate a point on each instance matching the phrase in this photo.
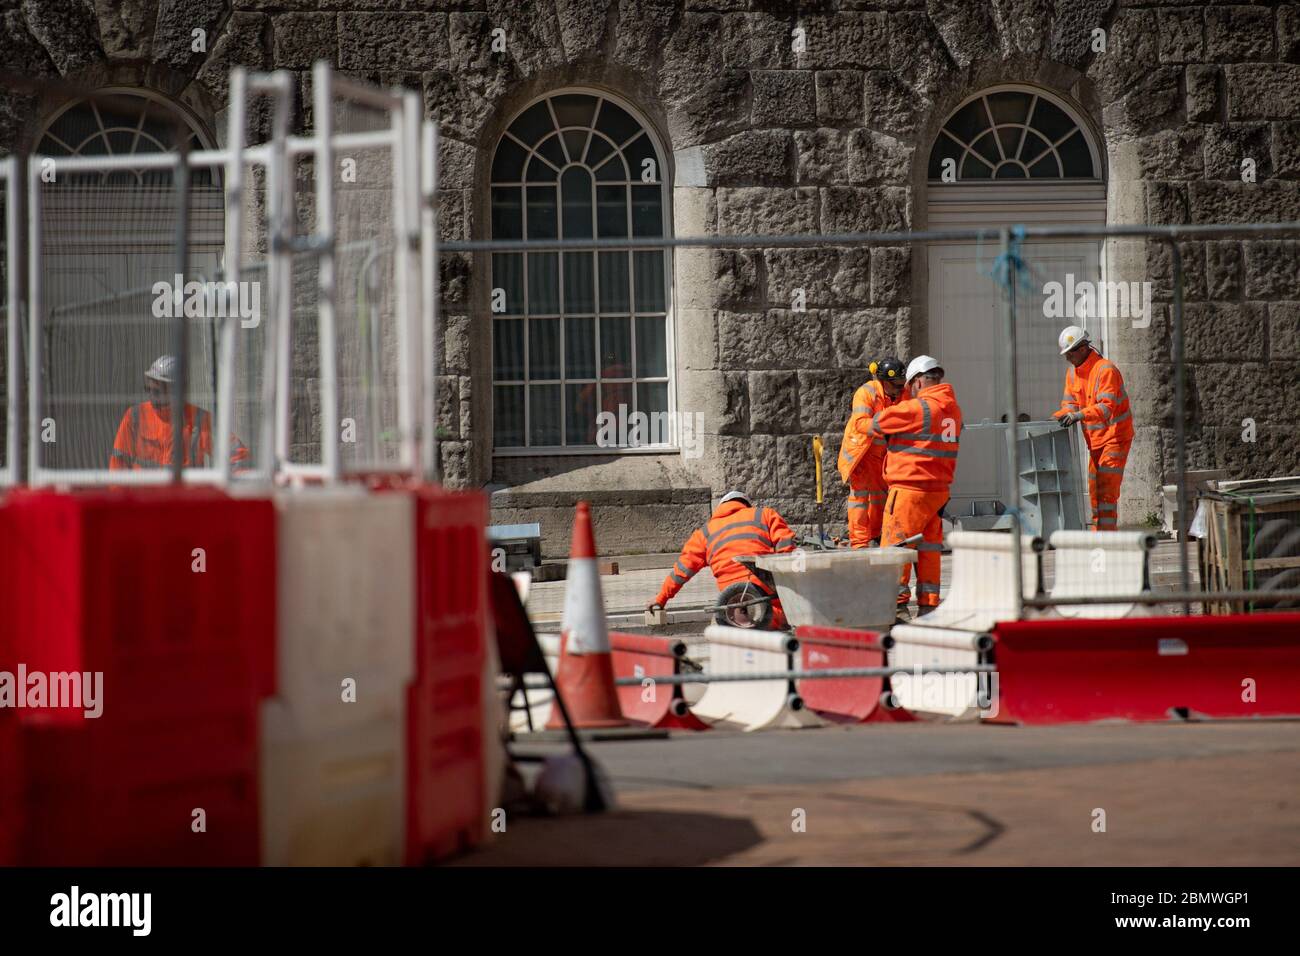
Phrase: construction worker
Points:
(144, 437)
(922, 434)
(862, 458)
(737, 527)
(1095, 396)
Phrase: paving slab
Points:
(1171, 794)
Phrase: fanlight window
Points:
(122, 123)
(577, 334)
(1011, 134)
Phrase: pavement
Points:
(1175, 794)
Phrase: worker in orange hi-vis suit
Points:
(144, 436)
(736, 527)
(862, 458)
(922, 432)
(1095, 396)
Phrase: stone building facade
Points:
(778, 118)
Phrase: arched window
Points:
(123, 122)
(108, 237)
(1012, 134)
(578, 334)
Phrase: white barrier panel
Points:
(982, 589)
(1100, 563)
(346, 593)
(754, 705)
(333, 738)
(956, 696)
(332, 798)
(856, 588)
(982, 593)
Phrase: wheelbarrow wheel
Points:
(743, 605)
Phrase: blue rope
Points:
(1010, 263)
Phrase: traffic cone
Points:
(585, 677)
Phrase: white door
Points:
(967, 319)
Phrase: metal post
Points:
(406, 260)
(16, 168)
(429, 275)
(322, 111)
(278, 353)
(1013, 449)
(1180, 427)
(181, 328)
(230, 274)
(35, 307)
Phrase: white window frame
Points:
(672, 446)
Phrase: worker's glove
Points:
(1070, 418)
(654, 606)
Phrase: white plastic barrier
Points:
(981, 593)
(982, 589)
(346, 596)
(333, 754)
(753, 705)
(957, 696)
(857, 588)
(334, 797)
(1100, 563)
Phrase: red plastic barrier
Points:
(446, 775)
(11, 804)
(641, 656)
(108, 582)
(100, 570)
(10, 769)
(1147, 668)
(845, 699)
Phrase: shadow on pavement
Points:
(619, 838)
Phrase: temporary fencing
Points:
(381, 744)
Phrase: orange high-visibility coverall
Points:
(144, 440)
(1096, 388)
(735, 528)
(923, 434)
(862, 465)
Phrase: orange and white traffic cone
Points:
(585, 676)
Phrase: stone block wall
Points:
(799, 118)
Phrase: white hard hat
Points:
(734, 496)
(920, 365)
(163, 369)
(1071, 337)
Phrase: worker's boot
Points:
(901, 614)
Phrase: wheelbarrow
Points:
(823, 587)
